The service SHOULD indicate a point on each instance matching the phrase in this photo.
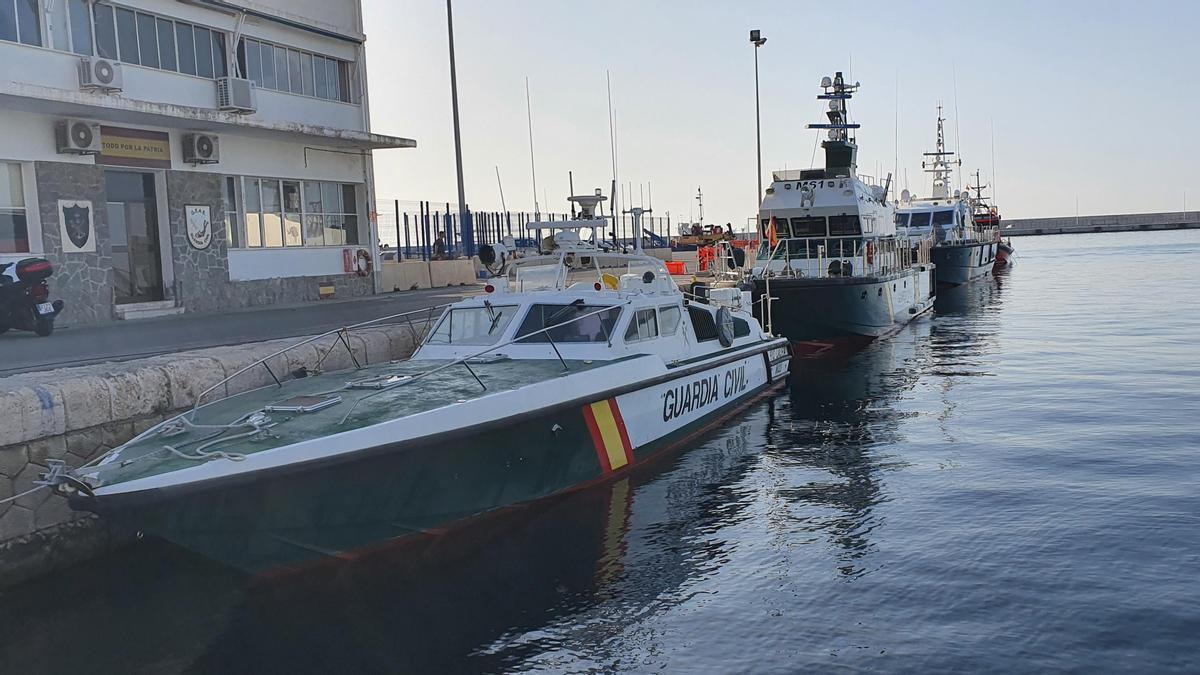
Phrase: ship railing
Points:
(813, 257)
(340, 338)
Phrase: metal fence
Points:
(413, 227)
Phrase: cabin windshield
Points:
(568, 327)
(473, 326)
(943, 218)
(920, 219)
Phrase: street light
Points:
(757, 40)
(464, 216)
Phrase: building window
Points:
(81, 27)
(20, 21)
(14, 229)
(148, 40)
(291, 213)
(233, 228)
(297, 72)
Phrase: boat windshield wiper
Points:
(493, 314)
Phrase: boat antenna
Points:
(896, 131)
(612, 145)
(537, 211)
(993, 125)
(571, 186)
(503, 207)
(957, 143)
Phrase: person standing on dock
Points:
(439, 246)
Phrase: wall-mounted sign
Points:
(199, 226)
(121, 146)
(76, 226)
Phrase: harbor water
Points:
(1009, 485)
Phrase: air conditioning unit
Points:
(201, 149)
(100, 75)
(77, 137)
(236, 95)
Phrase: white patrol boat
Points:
(960, 248)
(573, 367)
(830, 257)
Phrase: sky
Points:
(1091, 105)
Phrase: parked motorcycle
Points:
(25, 297)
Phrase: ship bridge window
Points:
(473, 325)
(566, 324)
(845, 225)
(920, 219)
(943, 218)
(901, 220)
(668, 319)
(643, 326)
(781, 227)
(808, 227)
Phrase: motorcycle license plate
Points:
(45, 308)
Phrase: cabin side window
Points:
(642, 326)
(568, 323)
(741, 327)
(702, 323)
(473, 326)
(843, 226)
(668, 320)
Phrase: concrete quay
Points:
(76, 414)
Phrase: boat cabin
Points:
(826, 226)
(589, 305)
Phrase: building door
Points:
(133, 224)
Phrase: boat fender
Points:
(724, 326)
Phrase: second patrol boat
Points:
(830, 256)
(962, 247)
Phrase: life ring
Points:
(362, 262)
(870, 252)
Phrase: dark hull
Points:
(960, 263)
(290, 518)
(840, 311)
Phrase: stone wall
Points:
(77, 414)
(84, 281)
(201, 276)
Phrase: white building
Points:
(172, 155)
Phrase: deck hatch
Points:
(303, 404)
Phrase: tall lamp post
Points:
(757, 40)
(464, 218)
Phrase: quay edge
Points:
(76, 414)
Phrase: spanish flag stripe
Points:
(625, 444)
(597, 439)
(610, 434)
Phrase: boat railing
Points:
(341, 338)
(867, 257)
(465, 361)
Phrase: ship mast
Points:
(841, 151)
(939, 166)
